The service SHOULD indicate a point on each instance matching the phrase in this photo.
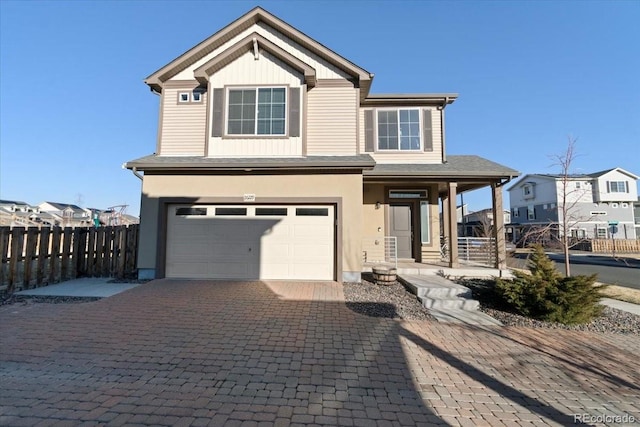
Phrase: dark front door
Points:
(401, 229)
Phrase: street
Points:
(621, 271)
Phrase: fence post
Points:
(17, 240)
(80, 252)
(4, 247)
(66, 253)
(43, 252)
(91, 252)
(100, 232)
(131, 251)
(29, 255)
(55, 252)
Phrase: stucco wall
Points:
(347, 187)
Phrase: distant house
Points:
(600, 205)
(69, 214)
(18, 213)
(480, 223)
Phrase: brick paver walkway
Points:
(217, 353)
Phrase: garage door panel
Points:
(251, 247)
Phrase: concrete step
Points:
(450, 303)
(466, 317)
(434, 286)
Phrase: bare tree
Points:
(569, 214)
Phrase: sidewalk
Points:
(89, 287)
(621, 305)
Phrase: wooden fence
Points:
(627, 246)
(33, 257)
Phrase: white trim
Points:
(182, 95)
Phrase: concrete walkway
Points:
(202, 353)
(621, 305)
(95, 287)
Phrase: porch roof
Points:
(166, 163)
(456, 167)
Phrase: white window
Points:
(625, 205)
(545, 206)
(531, 212)
(425, 222)
(183, 97)
(257, 111)
(196, 96)
(527, 191)
(516, 212)
(601, 233)
(399, 129)
(617, 187)
(614, 205)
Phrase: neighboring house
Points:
(480, 223)
(17, 213)
(68, 214)
(274, 161)
(595, 203)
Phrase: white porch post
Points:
(498, 227)
(452, 225)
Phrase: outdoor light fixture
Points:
(377, 205)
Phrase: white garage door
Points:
(250, 242)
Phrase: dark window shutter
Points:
(368, 131)
(608, 186)
(626, 186)
(427, 130)
(218, 113)
(294, 111)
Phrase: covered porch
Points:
(403, 205)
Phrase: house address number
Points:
(249, 197)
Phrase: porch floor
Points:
(468, 270)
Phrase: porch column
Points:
(444, 226)
(453, 225)
(498, 227)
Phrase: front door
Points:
(401, 229)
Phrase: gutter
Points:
(136, 173)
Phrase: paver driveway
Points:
(222, 353)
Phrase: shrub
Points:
(545, 294)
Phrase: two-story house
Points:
(597, 205)
(274, 161)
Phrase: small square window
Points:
(196, 96)
(183, 97)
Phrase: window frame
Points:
(184, 93)
(255, 135)
(625, 186)
(399, 149)
(531, 212)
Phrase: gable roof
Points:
(585, 176)
(63, 206)
(604, 172)
(203, 72)
(252, 17)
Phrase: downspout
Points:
(136, 173)
(444, 155)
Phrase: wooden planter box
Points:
(385, 275)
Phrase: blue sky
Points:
(74, 108)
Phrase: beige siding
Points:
(182, 130)
(434, 156)
(324, 70)
(246, 71)
(332, 120)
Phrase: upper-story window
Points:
(617, 186)
(256, 111)
(399, 129)
(527, 191)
